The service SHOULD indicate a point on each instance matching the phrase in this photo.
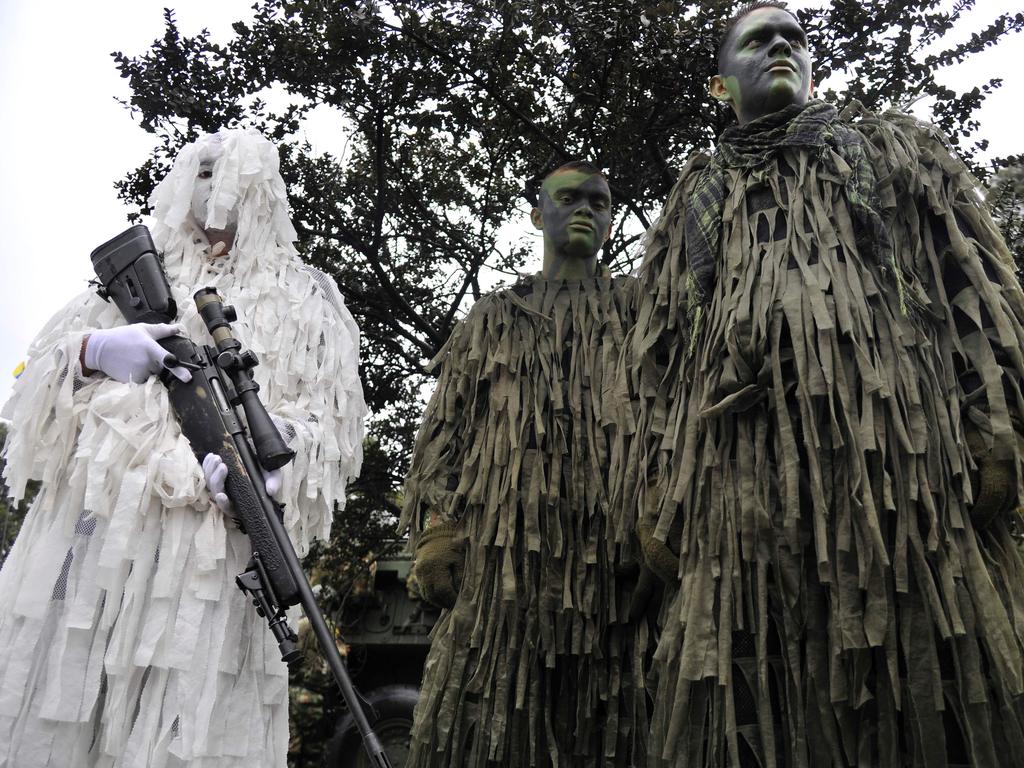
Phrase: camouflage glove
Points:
(660, 566)
(658, 556)
(994, 481)
(440, 562)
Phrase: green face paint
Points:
(575, 214)
(765, 65)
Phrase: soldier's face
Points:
(575, 213)
(202, 190)
(764, 65)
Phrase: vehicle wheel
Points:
(393, 706)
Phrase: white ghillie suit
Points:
(123, 639)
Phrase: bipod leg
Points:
(254, 583)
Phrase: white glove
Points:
(216, 472)
(130, 352)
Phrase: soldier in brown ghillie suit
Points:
(827, 359)
(535, 662)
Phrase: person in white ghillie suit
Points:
(123, 639)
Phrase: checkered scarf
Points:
(814, 126)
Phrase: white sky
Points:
(65, 140)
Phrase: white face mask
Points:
(201, 193)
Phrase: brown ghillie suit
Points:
(537, 663)
(804, 399)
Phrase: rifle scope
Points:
(270, 447)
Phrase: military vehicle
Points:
(387, 632)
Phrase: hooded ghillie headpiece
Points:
(246, 175)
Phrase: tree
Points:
(449, 108)
(1006, 198)
(11, 517)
